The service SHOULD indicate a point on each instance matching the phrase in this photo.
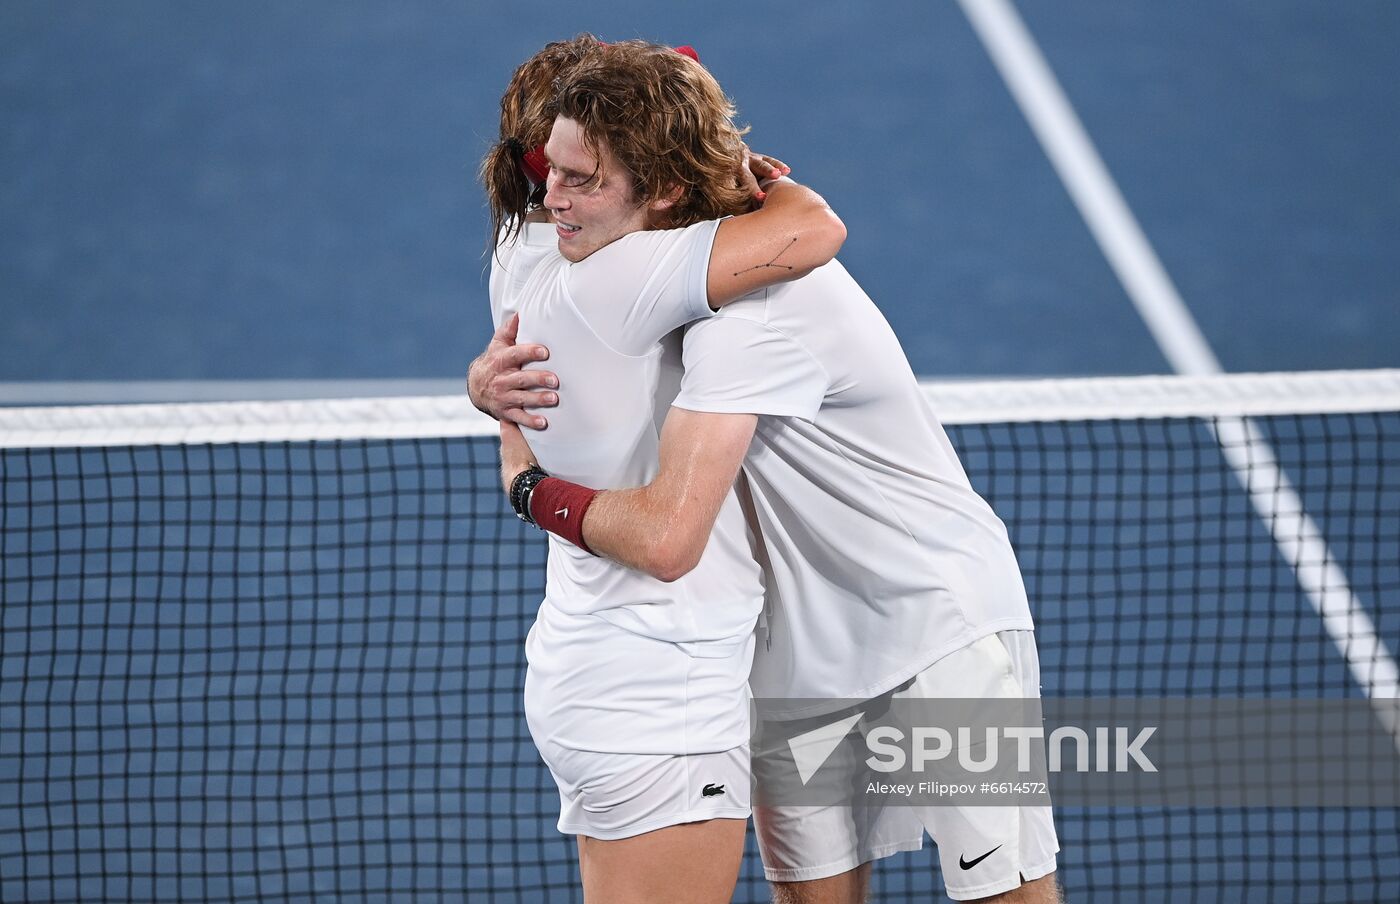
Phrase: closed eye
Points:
(570, 178)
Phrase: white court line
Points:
(1072, 153)
(1322, 578)
(1089, 184)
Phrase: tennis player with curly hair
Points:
(636, 692)
(886, 575)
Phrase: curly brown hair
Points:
(527, 115)
(667, 121)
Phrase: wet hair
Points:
(666, 120)
(527, 114)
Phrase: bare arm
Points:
(662, 528)
(792, 234)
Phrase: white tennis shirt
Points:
(619, 661)
(880, 556)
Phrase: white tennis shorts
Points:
(614, 795)
(983, 850)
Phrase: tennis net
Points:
(274, 651)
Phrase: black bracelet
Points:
(522, 487)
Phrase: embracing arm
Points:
(499, 385)
(792, 234)
(661, 528)
(496, 381)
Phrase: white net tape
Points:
(992, 401)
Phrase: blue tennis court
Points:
(256, 191)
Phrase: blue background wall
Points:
(268, 190)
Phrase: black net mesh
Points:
(292, 671)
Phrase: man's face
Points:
(590, 198)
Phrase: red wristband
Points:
(558, 507)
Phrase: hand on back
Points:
(500, 386)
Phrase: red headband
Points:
(534, 164)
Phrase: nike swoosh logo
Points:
(563, 512)
(966, 864)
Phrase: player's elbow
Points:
(831, 233)
(672, 558)
(823, 236)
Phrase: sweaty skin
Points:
(794, 223)
(661, 528)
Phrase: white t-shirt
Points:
(619, 661)
(880, 557)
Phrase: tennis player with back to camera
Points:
(886, 574)
(636, 689)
